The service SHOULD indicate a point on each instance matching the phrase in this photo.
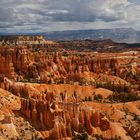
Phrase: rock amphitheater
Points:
(52, 92)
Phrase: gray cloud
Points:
(48, 15)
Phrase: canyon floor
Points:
(68, 90)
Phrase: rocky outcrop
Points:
(13, 126)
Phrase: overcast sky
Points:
(19, 16)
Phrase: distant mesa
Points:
(22, 40)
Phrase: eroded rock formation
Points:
(51, 92)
